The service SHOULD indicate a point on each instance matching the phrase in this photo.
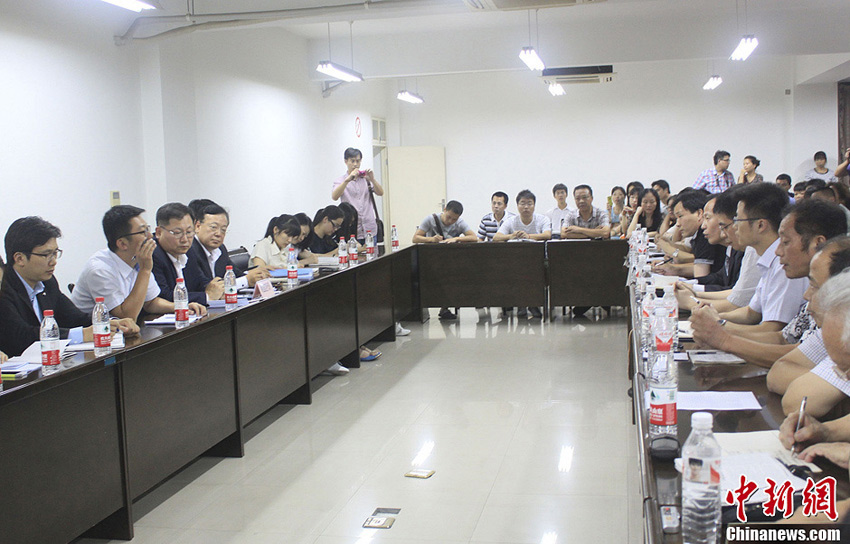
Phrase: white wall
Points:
(503, 131)
(70, 117)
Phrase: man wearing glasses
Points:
(175, 232)
(31, 288)
(719, 178)
(207, 257)
(122, 273)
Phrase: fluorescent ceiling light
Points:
(408, 96)
(531, 59)
(132, 5)
(557, 89)
(339, 72)
(712, 83)
(745, 48)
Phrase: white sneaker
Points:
(401, 331)
(338, 370)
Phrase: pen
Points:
(799, 424)
(665, 261)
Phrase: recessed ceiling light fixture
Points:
(712, 83)
(132, 5)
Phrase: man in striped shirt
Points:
(719, 178)
(491, 222)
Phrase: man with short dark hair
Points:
(560, 213)
(207, 259)
(719, 178)
(586, 221)
(708, 258)
(784, 181)
(122, 273)
(527, 225)
(175, 232)
(491, 222)
(30, 288)
(447, 228)
(663, 189)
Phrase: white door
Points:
(416, 187)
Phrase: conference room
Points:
(204, 99)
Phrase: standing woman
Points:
(748, 172)
(271, 250)
(325, 224)
(649, 213)
(356, 188)
(616, 204)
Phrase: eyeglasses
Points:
(50, 255)
(337, 225)
(146, 232)
(181, 233)
(724, 226)
(748, 219)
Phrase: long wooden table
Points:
(82, 445)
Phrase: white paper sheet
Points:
(33, 353)
(760, 441)
(117, 343)
(717, 400)
(713, 357)
(168, 319)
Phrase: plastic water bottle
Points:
(394, 238)
(671, 304)
(292, 269)
(644, 281)
(181, 304)
(700, 483)
(343, 253)
(647, 312)
(100, 328)
(663, 378)
(49, 336)
(370, 246)
(352, 251)
(231, 302)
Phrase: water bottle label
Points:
(702, 471)
(663, 344)
(181, 314)
(292, 273)
(662, 406)
(49, 357)
(395, 243)
(230, 298)
(353, 258)
(102, 340)
(370, 250)
(343, 259)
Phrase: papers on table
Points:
(328, 261)
(33, 353)
(168, 319)
(304, 274)
(713, 357)
(240, 301)
(15, 368)
(663, 281)
(719, 401)
(117, 343)
(760, 441)
(686, 330)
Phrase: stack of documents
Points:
(241, 300)
(117, 343)
(719, 401)
(168, 319)
(713, 357)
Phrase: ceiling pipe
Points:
(219, 20)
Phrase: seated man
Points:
(122, 272)
(708, 257)
(777, 298)
(586, 221)
(207, 259)
(832, 306)
(663, 189)
(175, 232)
(446, 228)
(31, 288)
(527, 225)
(491, 222)
(560, 213)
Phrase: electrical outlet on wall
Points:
(114, 198)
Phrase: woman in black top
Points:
(325, 224)
(649, 213)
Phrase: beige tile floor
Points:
(527, 426)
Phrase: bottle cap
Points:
(48, 313)
(229, 267)
(702, 420)
(99, 299)
(179, 280)
(393, 226)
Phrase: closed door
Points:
(416, 187)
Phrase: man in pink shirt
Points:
(354, 188)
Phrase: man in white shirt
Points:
(663, 189)
(122, 273)
(559, 214)
(777, 298)
(527, 225)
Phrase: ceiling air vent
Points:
(579, 74)
(510, 5)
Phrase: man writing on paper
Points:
(29, 288)
(122, 273)
(777, 298)
(208, 259)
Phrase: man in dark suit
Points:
(208, 259)
(175, 232)
(29, 288)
